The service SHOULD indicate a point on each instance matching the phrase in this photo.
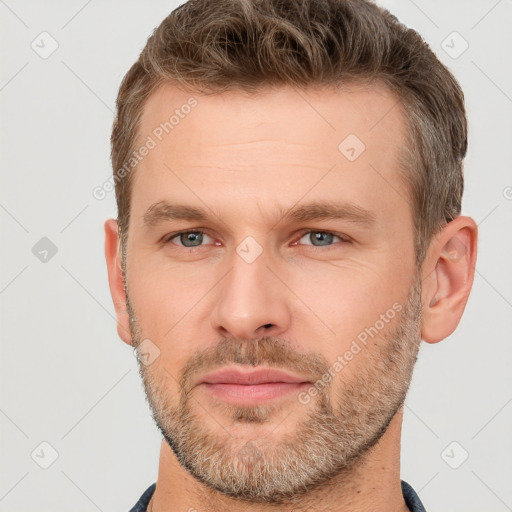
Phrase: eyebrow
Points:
(330, 210)
(163, 211)
(314, 211)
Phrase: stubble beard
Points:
(327, 441)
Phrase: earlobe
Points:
(450, 268)
(116, 279)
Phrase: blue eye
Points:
(189, 239)
(319, 238)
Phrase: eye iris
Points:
(191, 237)
(319, 236)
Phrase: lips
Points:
(250, 387)
(251, 377)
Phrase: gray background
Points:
(68, 380)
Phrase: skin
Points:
(242, 157)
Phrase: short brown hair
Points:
(214, 46)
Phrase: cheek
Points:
(347, 295)
(161, 308)
(174, 303)
(165, 295)
(346, 309)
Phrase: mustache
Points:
(265, 351)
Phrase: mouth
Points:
(251, 387)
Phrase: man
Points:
(289, 179)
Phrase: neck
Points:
(373, 483)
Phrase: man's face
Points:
(262, 282)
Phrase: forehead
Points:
(362, 109)
(274, 142)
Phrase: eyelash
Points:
(344, 239)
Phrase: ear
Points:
(116, 279)
(448, 273)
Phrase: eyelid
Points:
(167, 238)
(342, 236)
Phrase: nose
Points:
(251, 301)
